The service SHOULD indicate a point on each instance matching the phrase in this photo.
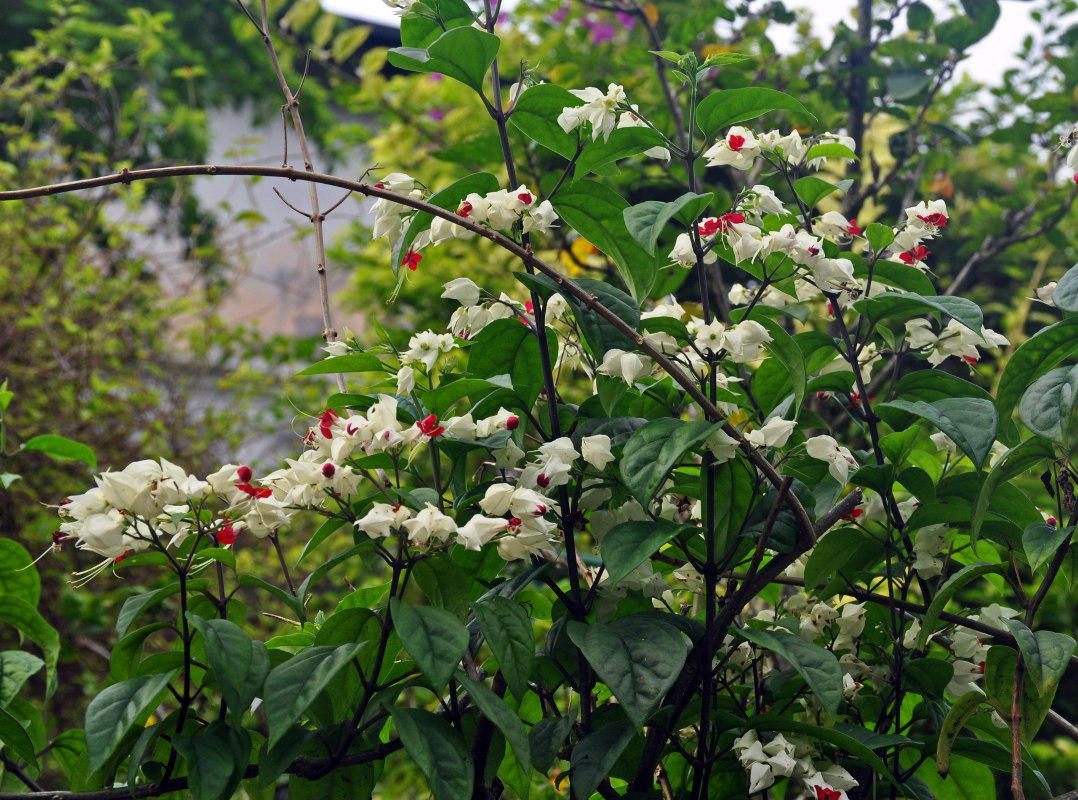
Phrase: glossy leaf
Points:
(438, 751)
(1018, 459)
(638, 658)
(16, 667)
(216, 758)
(239, 664)
(15, 737)
(1040, 541)
(654, 449)
(595, 211)
(418, 30)
(1046, 653)
(999, 673)
(504, 718)
(508, 632)
(812, 190)
(961, 710)
(1065, 295)
(118, 712)
(729, 107)
(505, 347)
(291, 687)
(433, 637)
(879, 236)
(629, 544)
(32, 625)
(62, 448)
(943, 596)
(785, 350)
(1047, 406)
(547, 737)
(735, 496)
(599, 334)
(463, 53)
(623, 142)
(536, 113)
(646, 221)
(817, 666)
(595, 755)
(892, 305)
(353, 362)
(970, 422)
(17, 577)
(1033, 358)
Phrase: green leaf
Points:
(444, 583)
(216, 759)
(419, 31)
(118, 712)
(731, 106)
(654, 449)
(536, 113)
(137, 603)
(325, 530)
(17, 575)
(495, 709)
(892, 305)
(904, 84)
(830, 150)
(919, 17)
(628, 545)
(830, 555)
(1034, 358)
(239, 665)
(599, 334)
(1040, 541)
(623, 142)
(292, 686)
(962, 709)
(508, 631)
(970, 422)
(840, 739)
(546, 738)
(1047, 406)
(438, 751)
(348, 41)
(16, 667)
(31, 624)
(967, 29)
(1014, 462)
(1046, 653)
(817, 666)
(448, 198)
(943, 596)
(353, 362)
(462, 53)
(595, 755)
(596, 211)
(999, 672)
(505, 347)
(434, 637)
(63, 448)
(783, 347)
(638, 658)
(14, 735)
(645, 221)
(735, 495)
(812, 190)
(354, 782)
(879, 237)
(1065, 295)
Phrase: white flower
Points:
(835, 225)
(596, 450)
(761, 200)
(773, 434)
(627, 366)
(405, 380)
(722, 446)
(1044, 293)
(926, 544)
(630, 120)
(336, 348)
(599, 109)
(839, 458)
(383, 519)
(540, 218)
(739, 149)
(943, 443)
(966, 673)
(430, 523)
(745, 341)
(479, 530)
(463, 290)
(709, 337)
(497, 498)
(425, 347)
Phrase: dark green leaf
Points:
(31, 624)
(1040, 541)
(291, 687)
(434, 637)
(731, 106)
(654, 449)
(536, 113)
(919, 17)
(944, 595)
(418, 30)
(638, 658)
(735, 495)
(216, 758)
(599, 334)
(508, 631)
(239, 665)
(495, 709)
(546, 738)
(118, 712)
(1034, 358)
(16, 667)
(1047, 406)
(353, 362)
(1046, 653)
(879, 236)
(505, 347)
(783, 347)
(904, 84)
(354, 782)
(595, 755)
(628, 545)
(1014, 462)
(817, 666)
(622, 143)
(438, 751)
(812, 190)
(14, 735)
(892, 305)
(645, 221)
(1065, 295)
(970, 422)
(596, 212)
(17, 576)
(463, 53)
(61, 447)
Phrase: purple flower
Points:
(601, 30)
(626, 21)
(560, 14)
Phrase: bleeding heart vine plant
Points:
(614, 543)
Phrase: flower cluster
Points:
(789, 757)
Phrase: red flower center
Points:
(853, 228)
(736, 142)
(329, 470)
(511, 423)
(430, 427)
(244, 474)
(915, 254)
(939, 220)
(526, 198)
(465, 209)
(826, 793)
(226, 535)
(411, 259)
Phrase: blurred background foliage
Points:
(97, 345)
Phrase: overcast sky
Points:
(989, 59)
